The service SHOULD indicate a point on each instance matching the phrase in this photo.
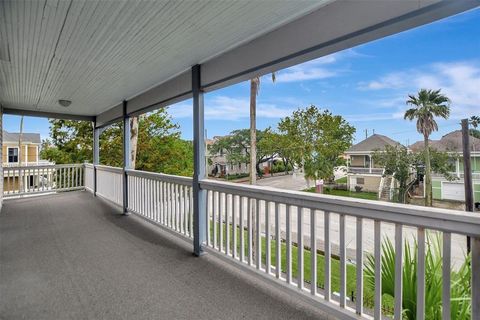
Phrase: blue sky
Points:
(368, 85)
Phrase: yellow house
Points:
(25, 155)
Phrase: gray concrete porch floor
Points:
(72, 256)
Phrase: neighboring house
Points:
(454, 190)
(29, 153)
(363, 172)
(218, 164)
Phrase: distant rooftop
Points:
(450, 142)
(372, 143)
(26, 137)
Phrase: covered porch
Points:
(121, 243)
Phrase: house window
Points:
(360, 180)
(12, 154)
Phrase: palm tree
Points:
(428, 104)
(254, 89)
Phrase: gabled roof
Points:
(373, 143)
(26, 137)
(451, 142)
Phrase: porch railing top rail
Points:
(50, 166)
(459, 222)
(186, 181)
(109, 168)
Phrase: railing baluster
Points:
(447, 254)
(421, 274)
(313, 252)
(209, 214)
(190, 211)
(214, 217)
(288, 253)
(220, 220)
(343, 263)
(328, 255)
(398, 271)
(378, 269)
(250, 235)
(185, 211)
(258, 238)
(234, 225)
(227, 224)
(359, 270)
(300, 269)
(268, 249)
(278, 242)
(242, 229)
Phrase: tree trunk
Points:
(133, 141)
(20, 138)
(253, 159)
(428, 175)
(253, 130)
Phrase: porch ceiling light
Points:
(64, 103)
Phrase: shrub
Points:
(460, 285)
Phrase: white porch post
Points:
(370, 163)
(199, 195)
(96, 155)
(127, 164)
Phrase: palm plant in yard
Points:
(460, 285)
(427, 105)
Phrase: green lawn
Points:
(335, 266)
(347, 193)
(342, 180)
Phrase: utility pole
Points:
(467, 171)
(366, 133)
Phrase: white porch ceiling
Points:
(98, 53)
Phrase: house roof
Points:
(372, 143)
(450, 142)
(26, 137)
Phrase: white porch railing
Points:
(362, 170)
(41, 179)
(164, 199)
(110, 183)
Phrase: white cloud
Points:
(226, 108)
(320, 68)
(460, 81)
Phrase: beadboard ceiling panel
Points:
(96, 53)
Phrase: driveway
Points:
(289, 182)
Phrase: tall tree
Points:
(236, 147)
(318, 139)
(254, 89)
(427, 105)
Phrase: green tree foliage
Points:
(427, 105)
(398, 162)
(317, 139)
(160, 148)
(236, 147)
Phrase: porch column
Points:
(127, 164)
(96, 155)
(199, 195)
(370, 161)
